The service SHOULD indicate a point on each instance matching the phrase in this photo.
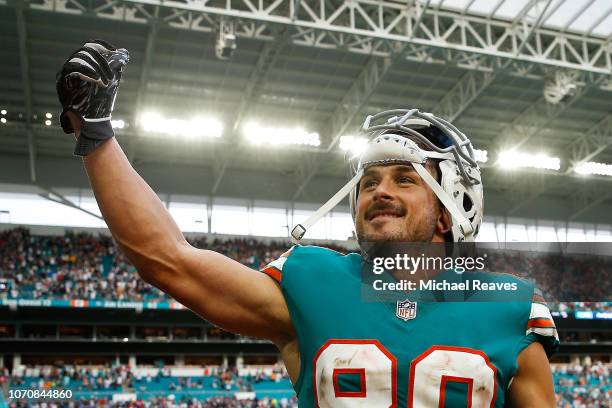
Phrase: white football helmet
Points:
(391, 135)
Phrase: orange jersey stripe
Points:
(273, 273)
(540, 323)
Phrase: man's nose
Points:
(383, 190)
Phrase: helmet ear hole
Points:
(467, 203)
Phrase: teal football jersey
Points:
(357, 353)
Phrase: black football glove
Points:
(87, 85)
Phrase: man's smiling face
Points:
(395, 204)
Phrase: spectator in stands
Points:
(85, 266)
(577, 386)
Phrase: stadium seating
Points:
(270, 388)
(88, 267)
(575, 385)
(582, 386)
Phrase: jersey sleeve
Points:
(275, 268)
(540, 325)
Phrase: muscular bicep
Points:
(532, 385)
(228, 294)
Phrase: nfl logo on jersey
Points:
(406, 310)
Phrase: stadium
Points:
(240, 115)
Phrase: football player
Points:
(411, 184)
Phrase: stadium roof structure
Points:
(322, 65)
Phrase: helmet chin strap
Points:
(297, 233)
(300, 229)
(458, 217)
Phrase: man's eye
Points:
(369, 184)
(404, 180)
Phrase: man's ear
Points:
(443, 224)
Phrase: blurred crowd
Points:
(576, 386)
(103, 378)
(120, 379)
(163, 402)
(85, 266)
(72, 266)
(576, 282)
(579, 386)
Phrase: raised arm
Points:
(218, 288)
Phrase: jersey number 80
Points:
(377, 370)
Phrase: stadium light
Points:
(481, 156)
(47, 122)
(48, 115)
(196, 128)
(274, 136)
(118, 124)
(354, 144)
(600, 169)
(3, 111)
(512, 159)
(3, 120)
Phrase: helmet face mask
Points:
(460, 187)
(436, 133)
(393, 137)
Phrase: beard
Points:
(412, 228)
(388, 241)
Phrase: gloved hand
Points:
(87, 85)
